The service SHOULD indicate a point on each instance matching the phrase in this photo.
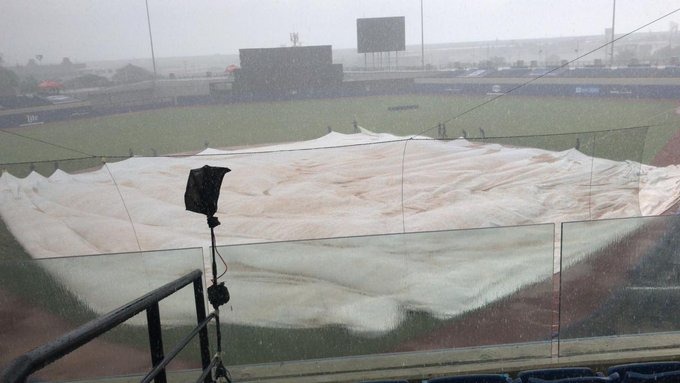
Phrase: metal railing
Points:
(23, 366)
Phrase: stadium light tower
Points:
(148, 21)
(611, 59)
(422, 37)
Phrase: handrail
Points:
(204, 378)
(178, 348)
(20, 368)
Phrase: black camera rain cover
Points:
(203, 189)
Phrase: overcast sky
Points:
(87, 30)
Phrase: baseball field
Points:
(550, 123)
(177, 130)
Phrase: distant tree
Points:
(552, 59)
(497, 61)
(9, 81)
(486, 64)
(625, 57)
(492, 63)
(28, 85)
(87, 81)
(130, 74)
(666, 53)
(66, 61)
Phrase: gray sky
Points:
(87, 30)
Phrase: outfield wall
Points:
(42, 114)
(661, 88)
(168, 93)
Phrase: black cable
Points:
(240, 153)
(223, 262)
(237, 153)
(47, 143)
(550, 71)
(46, 161)
(482, 104)
(424, 131)
(610, 130)
(122, 200)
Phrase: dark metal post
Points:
(422, 37)
(203, 334)
(611, 62)
(20, 368)
(153, 56)
(556, 331)
(153, 319)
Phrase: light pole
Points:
(576, 50)
(422, 37)
(153, 57)
(611, 58)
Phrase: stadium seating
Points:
(646, 369)
(584, 379)
(556, 373)
(482, 378)
(662, 377)
(511, 72)
(385, 381)
(581, 72)
(657, 372)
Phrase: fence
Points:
(355, 252)
(387, 301)
(25, 365)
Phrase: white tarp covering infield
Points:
(289, 192)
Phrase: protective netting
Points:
(337, 185)
(390, 259)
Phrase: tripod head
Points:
(213, 222)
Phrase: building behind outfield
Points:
(272, 73)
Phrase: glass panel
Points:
(302, 190)
(68, 214)
(619, 285)
(287, 193)
(46, 298)
(348, 190)
(392, 293)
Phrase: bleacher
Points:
(578, 72)
(659, 372)
(508, 73)
(622, 72)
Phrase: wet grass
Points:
(173, 130)
(187, 129)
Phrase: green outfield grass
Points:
(174, 130)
